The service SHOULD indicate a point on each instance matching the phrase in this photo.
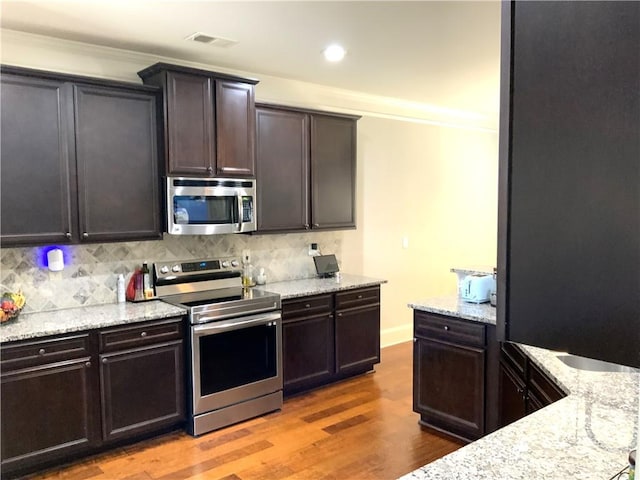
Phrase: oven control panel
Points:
(184, 268)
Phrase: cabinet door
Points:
(542, 391)
(142, 390)
(333, 171)
(190, 119)
(235, 128)
(307, 352)
(570, 178)
(48, 412)
(448, 389)
(512, 396)
(357, 338)
(282, 169)
(36, 194)
(117, 158)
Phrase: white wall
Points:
(424, 173)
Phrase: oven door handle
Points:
(219, 327)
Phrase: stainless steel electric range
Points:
(235, 341)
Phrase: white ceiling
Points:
(438, 53)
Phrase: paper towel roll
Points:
(55, 260)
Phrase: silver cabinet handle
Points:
(307, 306)
(446, 327)
(316, 225)
(88, 364)
(41, 351)
(85, 235)
(359, 296)
(104, 360)
(339, 314)
(143, 334)
(68, 234)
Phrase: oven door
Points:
(235, 360)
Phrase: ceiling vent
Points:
(211, 40)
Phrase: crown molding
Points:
(72, 57)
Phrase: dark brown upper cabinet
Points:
(306, 169)
(209, 121)
(79, 159)
(569, 201)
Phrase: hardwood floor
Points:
(362, 428)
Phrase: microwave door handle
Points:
(239, 212)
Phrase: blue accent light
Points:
(41, 255)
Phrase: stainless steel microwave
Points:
(208, 206)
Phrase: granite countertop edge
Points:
(453, 306)
(315, 286)
(70, 320)
(586, 435)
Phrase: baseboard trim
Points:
(395, 335)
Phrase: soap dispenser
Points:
(261, 278)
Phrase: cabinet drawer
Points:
(139, 335)
(302, 307)
(541, 386)
(514, 357)
(38, 352)
(449, 329)
(356, 298)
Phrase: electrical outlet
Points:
(313, 250)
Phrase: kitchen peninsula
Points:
(587, 435)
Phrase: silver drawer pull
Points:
(307, 306)
(143, 334)
(359, 296)
(88, 364)
(41, 351)
(446, 327)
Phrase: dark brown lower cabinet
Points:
(322, 344)
(513, 405)
(141, 390)
(357, 330)
(452, 385)
(48, 405)
(524, 387)
(61, 398)
(309, 351)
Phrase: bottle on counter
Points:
(247, 272)
(632, 465)
(147, 288)
(121, 289)
(261, 278)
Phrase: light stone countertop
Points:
(42, 324)
(315, 286)
(453, 306)
(585, 436)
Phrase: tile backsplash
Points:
(90, 273)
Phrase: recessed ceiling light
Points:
(334, 53)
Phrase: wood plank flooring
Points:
(362, 428)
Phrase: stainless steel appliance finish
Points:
(235, 341)
(207, 206)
